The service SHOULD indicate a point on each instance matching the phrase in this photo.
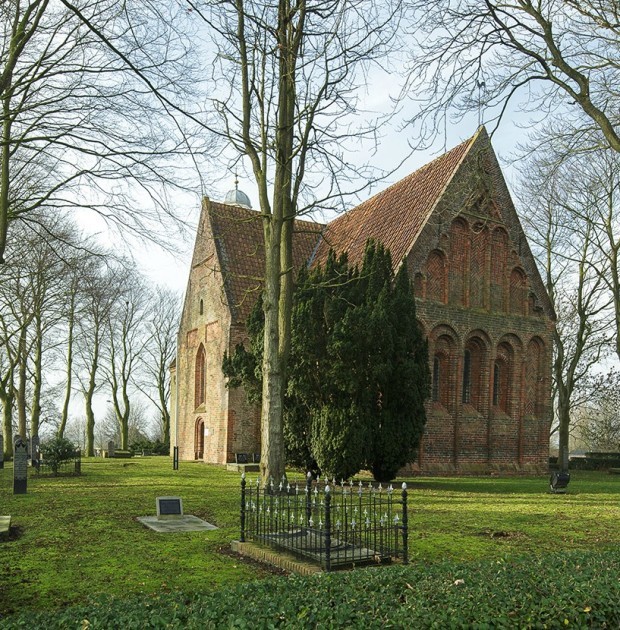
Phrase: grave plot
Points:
(334, 525)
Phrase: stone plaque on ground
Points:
(1, 451)
(20, 466)
(111, 448)
(169, 507)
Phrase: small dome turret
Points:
(237, 197)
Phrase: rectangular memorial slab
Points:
(169, 507)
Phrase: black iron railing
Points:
(72, 466)
(332, 524)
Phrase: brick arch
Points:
(503, 377)
(518, 292)
(443, 346)
(200, 373)
(478, 266)
(436, 276)
(535, 377)
(499, 261)
(475, 372)
(459, 261)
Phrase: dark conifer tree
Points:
(358, 371)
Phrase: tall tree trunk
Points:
(89, 395)
(21, 385)
(65, 408)
(7, 424)
(35, 412)
(272, 443)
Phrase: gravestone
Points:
(169, 507)
(20, 466)
(111, 448)
(1, 451)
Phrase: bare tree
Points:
(546, 54)
(126, 340)
(567, 245)
(286, 83)
(599, 428)
(32, 295)
(100, 290)
(162, 322)
(79, 128)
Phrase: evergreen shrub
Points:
(563, 590)
(56, 452)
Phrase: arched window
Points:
(474, 373)
(436, 372)
(534, 378)
(467, 377)
(442, 369)
(200, 377)
(201, 307)
(436, 277)
(502, 377)
(496, 377)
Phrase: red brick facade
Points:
(480, 302)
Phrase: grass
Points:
(77, 537)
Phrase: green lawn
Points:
(78, 537)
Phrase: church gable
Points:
(472, 251)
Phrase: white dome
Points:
(237, 197)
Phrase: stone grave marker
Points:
(169, 507)
(170, 518)
(111, 448)
(1, 451)
(20, 466)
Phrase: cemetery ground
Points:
(77, 538)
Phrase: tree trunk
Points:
(65, 408)
(88, 399)
(21, 385)
(272, 443)
(7, 424)
(35, 412)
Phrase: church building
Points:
(480, 302)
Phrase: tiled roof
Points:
(238, 234)
(394, 216)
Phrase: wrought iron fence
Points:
(332, 524)
(72, 466)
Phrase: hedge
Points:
(570, 590)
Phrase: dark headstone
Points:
(111, 448)
(257, 458)
(169, 506)
(20, 466)
(1, 451)
(242, 458)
